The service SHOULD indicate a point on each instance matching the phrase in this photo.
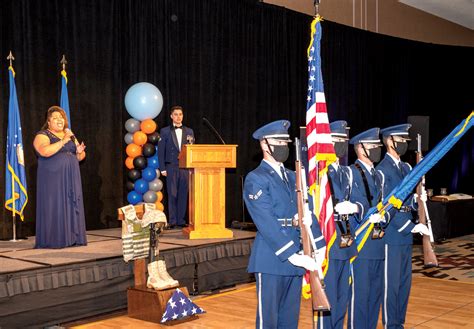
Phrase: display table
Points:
(451, 219)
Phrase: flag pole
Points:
(11, 59)
(317, 315)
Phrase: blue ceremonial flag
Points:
(179, 306)
(407, 185)
(16, 196)
(64, 101)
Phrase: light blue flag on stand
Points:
(16, 196)
(64, 101)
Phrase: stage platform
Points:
(43, 287)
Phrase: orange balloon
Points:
(133, 150)
(159, 206)
(159, 196)
(129, 163)
(148, 126)
(139, 138)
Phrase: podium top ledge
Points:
(208, 156)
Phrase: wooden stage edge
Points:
(434, 303)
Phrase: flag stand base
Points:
(242, 225)
(149, 304)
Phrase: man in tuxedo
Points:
(172, 138)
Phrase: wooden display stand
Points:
(149, 305)
(207, 165)
(144, 303)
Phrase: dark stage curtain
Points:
(239, 63)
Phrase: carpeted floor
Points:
(455, 257)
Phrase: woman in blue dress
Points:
(60, 220)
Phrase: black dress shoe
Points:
(170, 227)
(183, 225)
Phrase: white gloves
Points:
(421, 228)
(375, 218)
(346, 208)
(307, 220)
(303, 261)
(320, 255)
(423, 197)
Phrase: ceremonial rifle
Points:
(319, 299)
(429, 256)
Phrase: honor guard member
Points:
(367, 272)
(398, 233)
(337, 278)
(270, 197)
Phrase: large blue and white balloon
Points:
(143, 101)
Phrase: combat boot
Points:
(154, 280)
(165, 275)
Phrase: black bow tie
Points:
(176, 127)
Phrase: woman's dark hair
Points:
(49, 114)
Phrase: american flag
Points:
(320, 149)
(179, 306)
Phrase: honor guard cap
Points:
(368, 136)
(276, 130)
(398, 130)
(339, 129)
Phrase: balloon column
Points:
(143, 102)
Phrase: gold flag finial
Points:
(63, 62)
(316, 7)
(10, 58)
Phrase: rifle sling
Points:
(366, 184)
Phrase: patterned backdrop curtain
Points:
(240, 63)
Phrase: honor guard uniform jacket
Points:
(373, 248)
(272, 205)
(340, 178)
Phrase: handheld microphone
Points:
(73, 138)
(213, 129)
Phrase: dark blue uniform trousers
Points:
(366, 293)
(177, 187)
(397, 284)
(337, 290)
(278, 300)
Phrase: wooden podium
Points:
(207, 165)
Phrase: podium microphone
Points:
(204, 119)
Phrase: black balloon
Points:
(153, 138)
(130, 185)
(140, 162)
(134, 174)
(148, 150)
